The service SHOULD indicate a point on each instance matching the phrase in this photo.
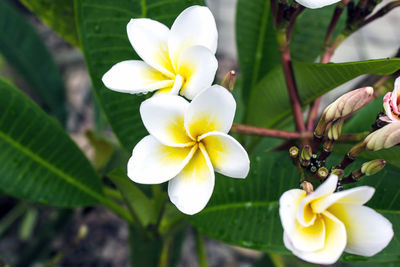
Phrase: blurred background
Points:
(95, 236)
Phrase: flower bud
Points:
(306, 154)
(345, 105)
(371, 167)
(335, 130)
(293, 152)
(229, 80)
(322, 172)
(307, 186)
(386, 137)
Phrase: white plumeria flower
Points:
(391, 104)
(316, 3)
(187, 142)
(319, 226)
(178, 60)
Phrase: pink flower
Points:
(391, 102)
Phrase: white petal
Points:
(163, 117)
(197, 65)
(305, 238)
(194, 26)
(135, 76)
(316, 3)
(288, 205)
(154, 163)
(227, 155)
(211, 110)
(358, 195)
(149, 38)
(192, 188)
(305, 214)
(368, 232)
(335, 242)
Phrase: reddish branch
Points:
(258, 131)
(326, 57)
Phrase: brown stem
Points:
(325, 58)
(293, 22)
(273, 10)
(381, 12)
(291, 86)
(258, 131)
(252, 130)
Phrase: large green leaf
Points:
(269, 102)
(256, 42)
(39, 162)
(25, 51)
(245, 212)
(59, 15)
(102, 30)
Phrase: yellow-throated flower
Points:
(180, 60)
(319, 226)
(187, 142)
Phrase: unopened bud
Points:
(345, 105)
(229, 80)
(357, 175)
(306, 154)
(335, 130)
(371, 167)
(386, 137)
(356, 150)
(328, 146)
(307, 186)
(293, 152)
(338, 172)
(322, 172)
(349, 103)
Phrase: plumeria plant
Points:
(324, 186)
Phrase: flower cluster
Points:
(187, 141)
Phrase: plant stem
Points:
(273, 10)
(325, 58)
(201, 252)
(381, 12)
(258, 131)
(293, 22)
(290, 81)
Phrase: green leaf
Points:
(58, 15)
(39, 162)
(24, 50)
(269, 102)
(256, 42)
(102, 31)
(245, 212)
(310, 30)
(144, 208)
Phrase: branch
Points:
(325, 58)
(290, 82)
(381, 12)
(259, 131)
